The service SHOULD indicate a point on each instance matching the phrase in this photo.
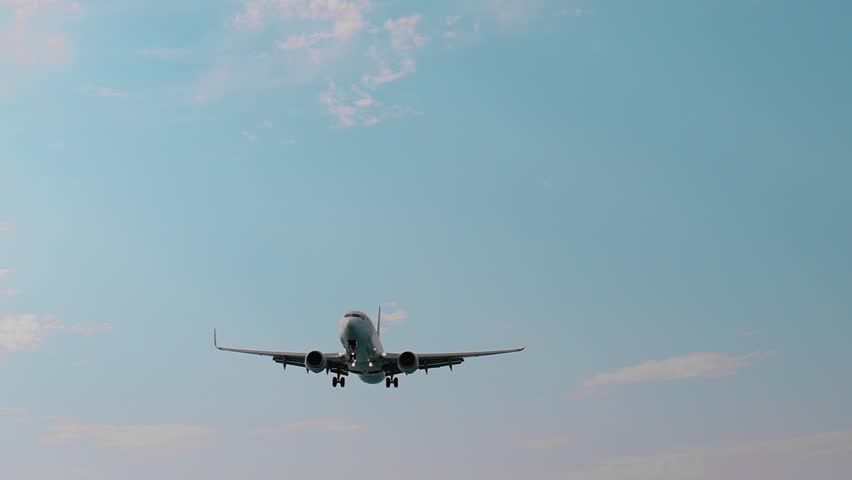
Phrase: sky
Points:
(652, 196)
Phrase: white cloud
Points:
(515, 12)
(249, 136)
(20, 332)
(156, 436)
(358, 108)
(17, 414)
(301, 41)
(26, 332)
(346, 17)
(349, 112)
(385, 74)
(403, 32)
(328, 425)
(822, 456)
(88, 330)
(33, 37)
(251, 16)
(397, 62)
(707, 365)
(396, 316)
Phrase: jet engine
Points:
(315, 361)
(408, 362)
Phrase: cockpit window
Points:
(356, 315)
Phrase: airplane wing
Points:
(437, 360)
(336, 361)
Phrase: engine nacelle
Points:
(315, 361)
(408, 362)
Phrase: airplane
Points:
(364, 355)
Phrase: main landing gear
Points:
(338, 380)
(391, 381)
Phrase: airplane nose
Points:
(350, 328)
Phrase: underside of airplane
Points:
(364, 355)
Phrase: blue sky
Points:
(653, 196)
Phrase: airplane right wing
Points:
(336, 361)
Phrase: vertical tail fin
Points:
(379, 322)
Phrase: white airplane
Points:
(364, 355)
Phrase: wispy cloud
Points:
(514, 12)
(392, 315)
(357, 108)
(345, 18)
(386, 74)
(17, 414)
(12, 292)
(26, 332)
(403, 32)
(397, 315)
(249, 136)
(301, 41)
(821, 456)
(20, 332)
(396, 62)
(328, 425)
(5, 272)
(694, 365)
(148, 437)
(33, 37)
(5, 226)
(352, 109)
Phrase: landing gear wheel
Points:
(342, 382)
(387, 382)
(334, 382)
(395, 383)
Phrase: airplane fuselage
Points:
(363, 347)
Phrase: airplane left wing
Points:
(437, 360)
(336, 361)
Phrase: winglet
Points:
(215, 343)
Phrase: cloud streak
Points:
(33, 37)
(346, 17)
(26, 332)
(327, 425)
(694, 365)
(821, 456)
(130, 437)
